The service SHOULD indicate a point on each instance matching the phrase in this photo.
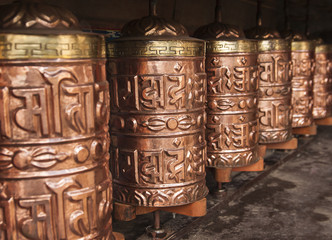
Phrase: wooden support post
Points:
(324, 121)
(289, 145)
(126, 212)
(118, 236)
(222, 175)
(261, 150)
(256, 167)
(311, 130)
(196, 209)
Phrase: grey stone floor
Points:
(292, 199)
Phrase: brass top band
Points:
(235, 46)
(273, 45)
(303, 46)
(323, 48)
(156, 48)
(23, 46)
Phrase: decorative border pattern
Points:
(240, 46)
(323, 48)
(233, 159)
(273, 45)
(160, 197)
(22, 46)
(156, 48)
(275, 136)
(303, 45)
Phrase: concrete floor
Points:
(293, 202)
(292, 199)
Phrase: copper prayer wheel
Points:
(321, 86)
(329, 98)
(54, 101)
(232, 95)
(274, 102)
(302, 82)
(158, 81)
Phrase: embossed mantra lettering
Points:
(151, 92)
(40, 112)
(274, 97)
(274, 71)
(45, 216)
(321, 88)
(158, 152)
(222, 79)
(51, 129)
(159, 166)
(231, 129)
(302, 91)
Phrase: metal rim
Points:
(273, 45)
(303, 46)
(70, 46)
(156, 48)
(231, 46)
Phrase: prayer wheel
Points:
(274, 101)
(232, 95)
(158, 81)
(302, 82)
(321, 88)
(54, 111)
(329, 99)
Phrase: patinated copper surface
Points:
(158, 82)
(54, 108)
(232, 95)
(302, 83)
(321, 82)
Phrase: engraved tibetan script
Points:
(241, 79)
(79, 113)
(245, 78)
(8, 228)
(4, 113)
(275, 116)
(152, 92)
(154, 167)
(44, 111)
(275, 71)
(39, 224)
(302, 67)
(33, 117)
(214, 136)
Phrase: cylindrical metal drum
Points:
(158, 82)
(321, 82)
(232, 115)
(54, 100)
(302, 82)
(274, 101)
(274, 104)
(329, 98)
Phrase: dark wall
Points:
(193, 13)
